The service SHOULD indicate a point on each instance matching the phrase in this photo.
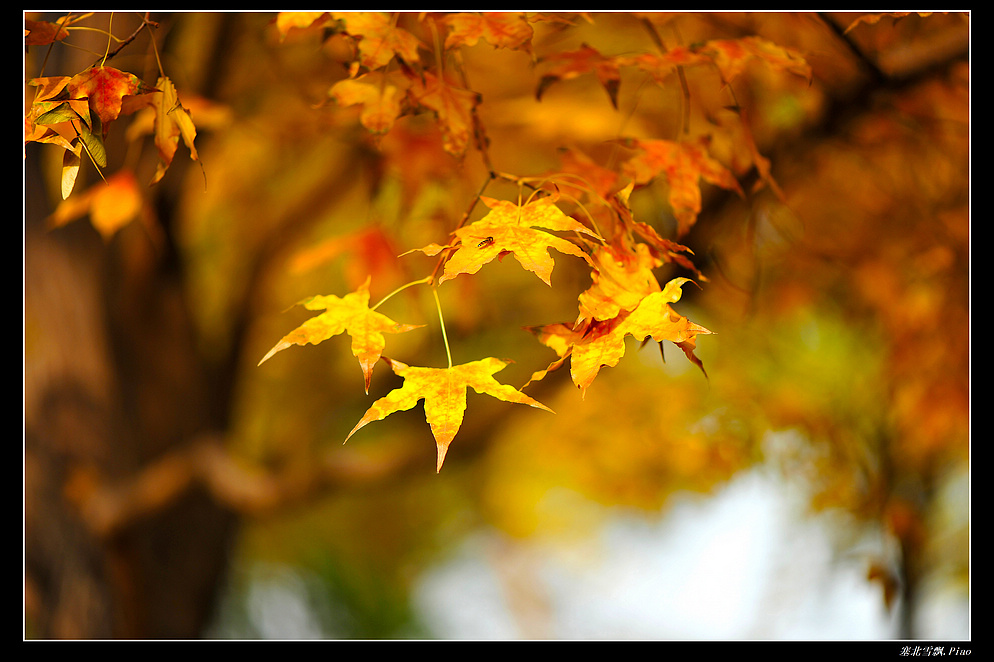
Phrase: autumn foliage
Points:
(589, 182)
(388, 79)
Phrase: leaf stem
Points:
(110, 35)
(441, 322)
(426, 279)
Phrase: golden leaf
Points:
(350, 313)
(444, 393)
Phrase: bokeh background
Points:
(814, 485)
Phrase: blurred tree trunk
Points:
(116, 385)
(121, 540)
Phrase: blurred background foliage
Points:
(841, 313)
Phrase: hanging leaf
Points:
(444, 393)
(350, 313)
(172, 121)
(592, 345)
(453, 105)
(684, 164)
(510, 228)
(584, 60)
(105, 89)
(70, 167)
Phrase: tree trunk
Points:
(112, 385)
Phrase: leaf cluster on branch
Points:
(76, 112)
(401, 65)
(390, 75)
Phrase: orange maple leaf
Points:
(731, 56)
(454, 107)
(444, 393)
(499, 29)
(684, 164)
(43, 32)
(584, 60)
(661, 65)
(871, 19)
(105, 89)
(592, 345)
(349, 313)
(510, 228)
(379, 39)
(38, 33)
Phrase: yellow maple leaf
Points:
(622, 277)
(444, 393)
(598, 343)
(379, 98)
(349, 313)
(511, 228)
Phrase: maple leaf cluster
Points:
(389, 77)
(76, 113)
(413, 67)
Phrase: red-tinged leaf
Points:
(43, 32)
(683, 164)
(453, 105)
(510, 228)
(105, 88)
(499, 29)
(592, 179)
(584, 60)
(37, 33)
(731, 56)
(350, 313)
(444, 393)
(367, 253)
(661, 65)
